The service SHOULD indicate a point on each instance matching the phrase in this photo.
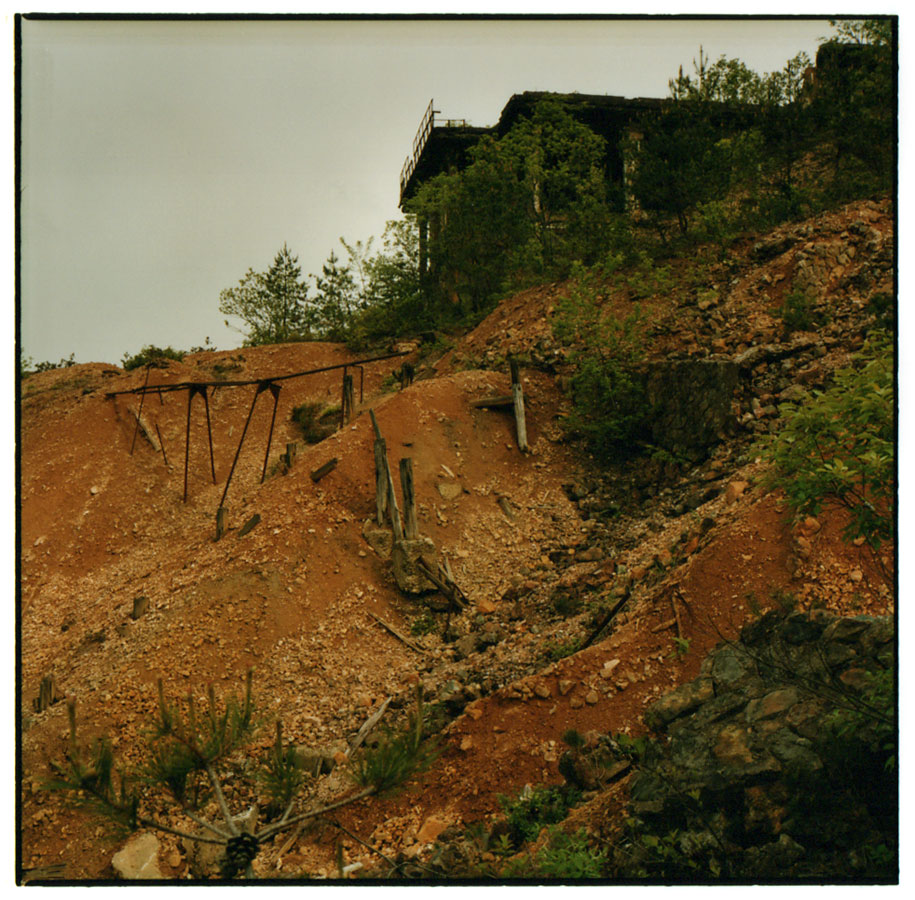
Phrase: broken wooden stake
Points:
(395, 632)
(321, 471)
(47, 694)
(410, 527)
(249, 525)
(518, 400)
(607, 619)
(140, 606)
(493, 402)
(367, 726)
(143, 427)
(289, 456)
(441, 580)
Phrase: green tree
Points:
(336, 300)
(273, 304)
(525, 208)
(856, 103)
(395, 302)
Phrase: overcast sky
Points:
(162, 159)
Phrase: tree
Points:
(525, 208)
(190, 755)
(394, 300)
(273, 304)
(856, 103)
(336, 301)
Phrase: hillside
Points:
(539, 543)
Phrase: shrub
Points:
(398, 755)
(152, 356)
(570, 856)
(609, 407)
(838, 445)
(316, 420)
(797, 312)
(536, 808)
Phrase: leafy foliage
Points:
(151, 355)
(838, 445)
(272, 304)
(28, 366)
(545, 805)
(609, 407)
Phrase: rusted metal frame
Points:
(206, 405)
(275, 390)
(161, 444)
(140, 413)
(192, 390)
(261, 387)
(184, 385)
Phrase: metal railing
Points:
(422, 135)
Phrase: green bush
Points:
(797, 312)
(398, 755)
(838, 445)
(570, 856)
(316, 420)
(609, 405)
(535, 808)
(151, 355)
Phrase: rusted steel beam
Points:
(161, 444)
(261, 387)
(275, 390)
(140, 413)
(184, 385)
(206, 404)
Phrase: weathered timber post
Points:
(393, 510)
(518, 400)
(349, 399)
(291, 450)
(221, 514)
(381, 480)
(321, 471)
(410, 528)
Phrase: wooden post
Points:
(291, 449)
(321, 471)
(381, 479)
(349, 398)
(393, 511)
(140, 606)
(410, 528)
(518, 399)
(221, 522)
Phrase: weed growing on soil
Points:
(398, 755)
(186, 761)
(546, 805)
(316, 420)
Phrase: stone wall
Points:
(691, 403)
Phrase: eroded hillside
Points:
(539, 543)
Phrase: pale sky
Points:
(162, 159)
